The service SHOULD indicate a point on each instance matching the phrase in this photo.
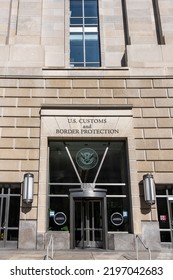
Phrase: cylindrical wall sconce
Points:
(28, 187)
(149, 189)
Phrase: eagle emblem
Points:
(87, 158)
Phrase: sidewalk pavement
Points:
(84, 255)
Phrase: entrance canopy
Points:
(85, 193)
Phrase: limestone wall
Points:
(151, 99)
(35, 34)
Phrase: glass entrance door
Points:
(88, 223)
(9, 216)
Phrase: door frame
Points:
(98, 194)
(170, 213)
(4, 223)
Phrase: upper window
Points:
(84, 35)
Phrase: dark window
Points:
(165, 212)
(9, 213)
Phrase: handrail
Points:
(50, 245)
(137, 248)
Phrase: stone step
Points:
(84, 255)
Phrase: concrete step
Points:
(84, 255)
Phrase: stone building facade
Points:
(121, 112)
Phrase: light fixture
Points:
(28, 186)
(149, 189)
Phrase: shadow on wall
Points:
(145, 208)
(26, 207)
(124, 59)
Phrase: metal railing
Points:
(50, 247)
(137, 237)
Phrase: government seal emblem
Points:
(87, 158)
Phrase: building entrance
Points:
(88, 185)
(88, 223)
(9, 215)
(88, 216)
